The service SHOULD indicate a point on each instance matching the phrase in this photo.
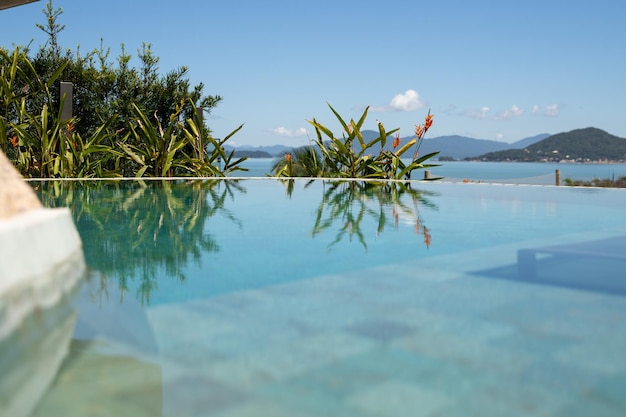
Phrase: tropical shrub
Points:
(163, 152)
(304, 161)
(126, 121)
(33, 134)
(350, 156)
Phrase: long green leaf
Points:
(382, 135)
(56, 74)
(130, 152)
(343, 124)
(406, 147)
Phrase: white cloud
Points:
(483, 113)
(552, 110)
(283, 131)
(500, 136)
(409, 101)
(511, 113)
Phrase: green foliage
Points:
(351, 156)
(598, 182)
(126, 121)
(163, 152)
(34, 137)
(304, 161)
(50, 149)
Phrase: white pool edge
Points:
(35, 247)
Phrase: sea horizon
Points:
(540, 173)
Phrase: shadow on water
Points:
(594, 266)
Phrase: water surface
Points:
(261, 297)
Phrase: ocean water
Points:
(261, 297)
(504, 172)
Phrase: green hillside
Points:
(580, 145)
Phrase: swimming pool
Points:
(311, 298)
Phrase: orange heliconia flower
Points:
(396, 141)
(429, 122)
(288, 156)
(14, 141)
(419, 131)
(70, 127)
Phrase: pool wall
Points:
(41, 264)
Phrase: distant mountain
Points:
(456, 147)
(244, 153)
(460, 147)
(523, 143)
(272, 150)
(580, 145)
(258, 151)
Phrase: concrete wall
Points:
(41, 267)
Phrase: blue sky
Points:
(486, 69)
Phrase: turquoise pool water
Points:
(268, 298)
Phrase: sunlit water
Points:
(268, 298)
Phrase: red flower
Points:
(396, 141)
(288, 156)
(419, 131)
(429, 122)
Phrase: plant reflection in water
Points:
(350, 202)
(135, 232)
(132, 229)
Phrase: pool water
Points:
(314, 298)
